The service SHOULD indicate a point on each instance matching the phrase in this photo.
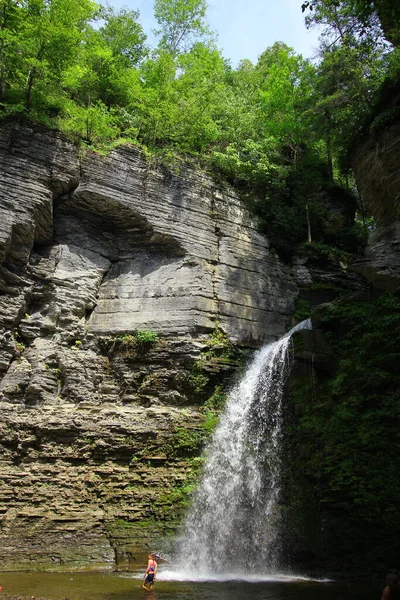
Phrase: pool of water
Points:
(118, 586)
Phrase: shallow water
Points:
(117, 586)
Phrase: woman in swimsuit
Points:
(150, 575)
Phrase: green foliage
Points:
(349, 78)
(138, 340)
(197, 464)
(302, 310)
(144, 336)
(326, 286)
(180, 97)
(123, 35)
(181, 21)
(219, 338)
(177, 498)
(217, 400)
(209, 422)
(279, 130)
(123, 524)
(20, 346)
(347, 424)
(355, 63)
(95, 125)
(361, 18)
(185, 443)
(197, 379)
(382, 110)
(385, 118)
(322, 254)
(212, 409)
(40, 40)
(220, 351)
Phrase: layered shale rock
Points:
(377, 170)
(127, 293)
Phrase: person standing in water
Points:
(392, 589)
(150, 575)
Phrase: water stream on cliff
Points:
(232, 530)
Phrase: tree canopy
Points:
(358, 17)
(279, 129)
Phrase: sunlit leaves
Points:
(95, 124)
(181, 23)
(123, 35)
(343, 22)
(40, 39)
(357, 18)
(286, 83)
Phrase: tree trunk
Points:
(2, 77)
(389, 16)
(309, 238)
(330, 159)
(33, 73)
(29, 85)
(2, 57)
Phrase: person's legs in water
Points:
(149, 579)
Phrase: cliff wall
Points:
(376, 168)
(127, 294)
(343, 434)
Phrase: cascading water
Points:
(233, 524)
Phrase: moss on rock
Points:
(345, 431)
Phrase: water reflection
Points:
(115, 586)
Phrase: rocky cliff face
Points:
(376, 167)
(126, 292)
(343, 434)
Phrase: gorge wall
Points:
(130, 297)
(376, 167)
(343, 432)
(126, 295)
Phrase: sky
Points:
(245, 28)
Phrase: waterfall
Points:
(233, 524)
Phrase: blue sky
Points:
(245, 27)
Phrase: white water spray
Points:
(233, 524)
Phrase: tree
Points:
(39, 39)
(286, 81)
(345, 87)
(352, 68)
(181, 98)
(238, 106)
(124, 35)
(11, 19)
(54, 31)
(359, 18)
(389, 15)
(181, 22)
(108, 61)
